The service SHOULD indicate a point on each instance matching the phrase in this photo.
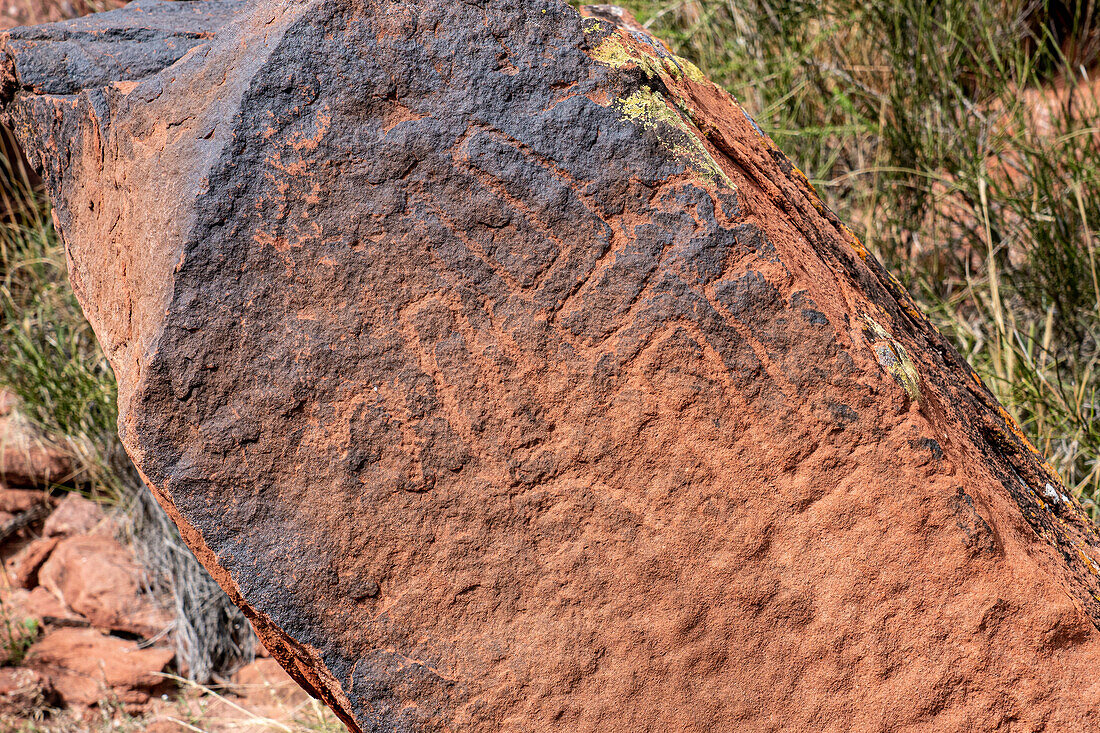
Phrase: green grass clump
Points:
(50, 358)
(16, 637)
(53, 364)
(960, 139)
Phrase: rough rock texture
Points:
(75, 515)
(86, 667)
(38, 604)
(510, 379)
(23, 568)
(96, 577)
(24, 691)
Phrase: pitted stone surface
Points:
(510, 379)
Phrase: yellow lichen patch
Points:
(692, 72)
(854, 242)
(613, 51)
(1089, 562)
(648, 108)
(681, 68)
(652, 111)
(618, 52)
(892, 357)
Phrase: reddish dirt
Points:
(33, 12)
(510, 379)
(24, 692)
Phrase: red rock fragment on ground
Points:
(26, 459)
(74, 515)
(15, 501)
(24, 567)
(86, 667)
(24, 692)
(41, 605)
(98, 579)
(510, 378)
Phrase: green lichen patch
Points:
(651, 110)
(892, 357)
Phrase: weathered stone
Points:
(87, 667)
(40, 605)
(510, 378)
(96, 50)
(74, 515)
(21, 500)
(98, 578)
(24, 567)
(24, 692)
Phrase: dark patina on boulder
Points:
(509, 378)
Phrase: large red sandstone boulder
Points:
(510, 378)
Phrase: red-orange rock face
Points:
(510, 379)
(86, 667)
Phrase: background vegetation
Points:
(961, 140)
(50, 360)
